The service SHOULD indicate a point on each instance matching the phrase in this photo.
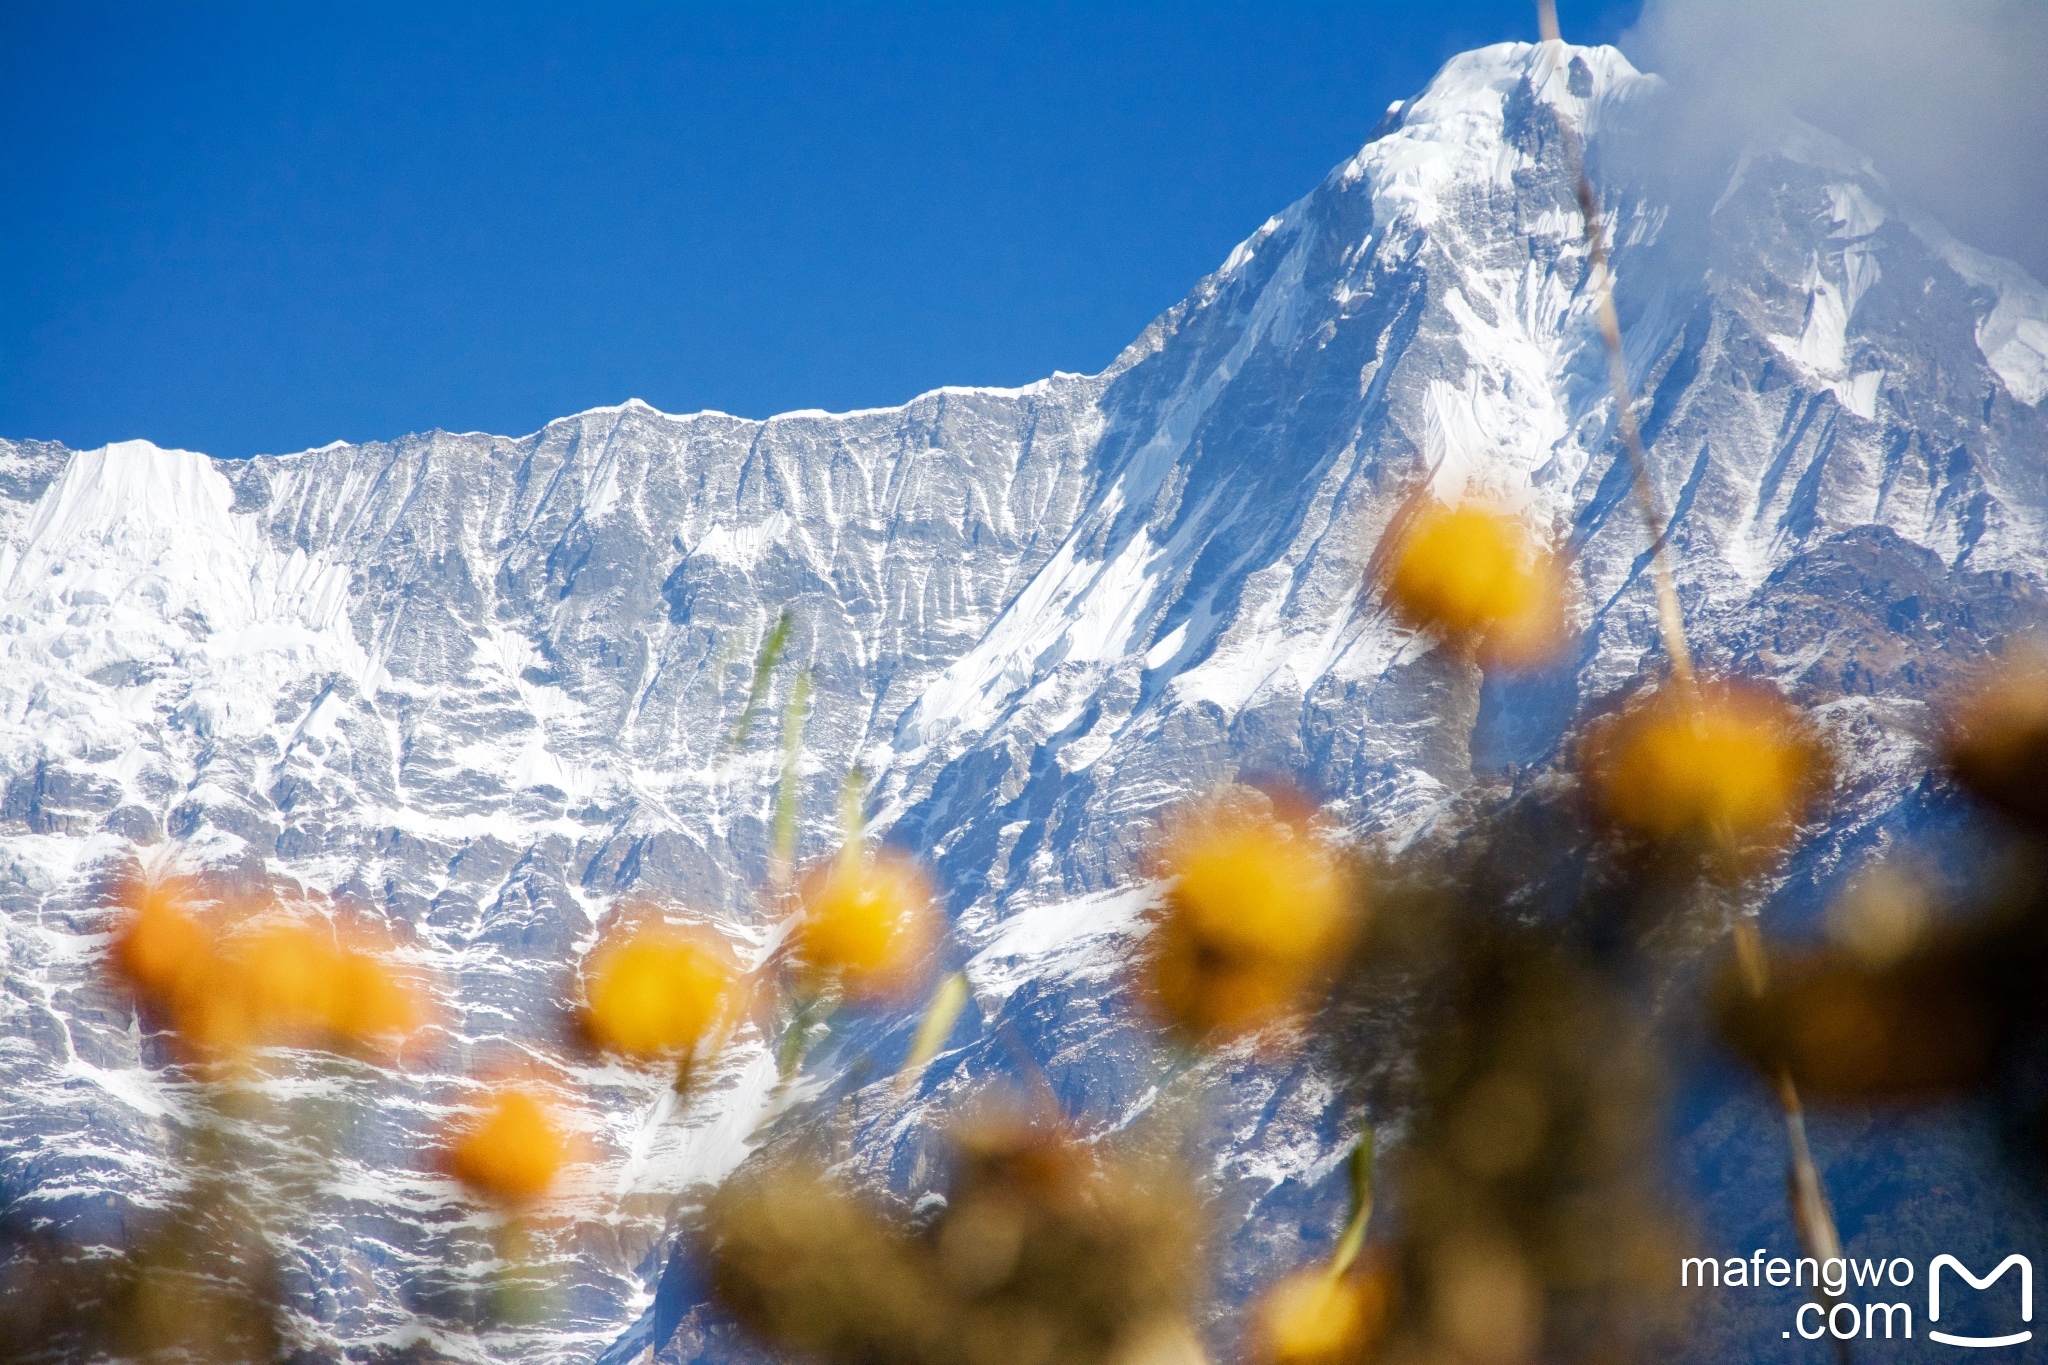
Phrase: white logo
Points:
(2026, 1298)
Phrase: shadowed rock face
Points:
(487, 688)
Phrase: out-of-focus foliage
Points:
(196, 1280)
(1049, 1251)
(1844, 1027)
(1917, 999)
(1998, 738)
(1930, 992)
(1535, 1223)
(1479, 577)
(1256, 915)
(229, 973)
(1495, 1002)
(197, 1286)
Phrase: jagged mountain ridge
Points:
(329, 689)
(483, 686)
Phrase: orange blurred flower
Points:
(374, 1005)
(161, 945)
(1480, 578)
(249, 976)
(1256, 915)
(1313, 1317)
(512, 1151)
(265, 983)
(1731, 769)
(655, 991)
(868, 921)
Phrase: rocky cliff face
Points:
(486, 688)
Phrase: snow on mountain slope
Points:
(483, 687)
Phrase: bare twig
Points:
(1353, 1239)
(1812, 1217)
(1670, 617)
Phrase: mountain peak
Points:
(489, 688)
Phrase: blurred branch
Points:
(1813, 1218)
(772, 649)
(1670, 616)
(941, 1013)
(782, 842)
(1360, 1167)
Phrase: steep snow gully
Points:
(480, 686)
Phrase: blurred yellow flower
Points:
(867, 923)
(656, 991)
(1481, 579)
(512, 1152)
(288, 972)
(258, 986)
(1729, 768)
(1315, 1318)
(1254, 917)
(373, 1006)
(256, 978)
(161, 944)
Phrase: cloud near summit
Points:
(1947, 96)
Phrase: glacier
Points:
(481, 687)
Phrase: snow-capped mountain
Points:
(485, 687)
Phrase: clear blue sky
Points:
(259, 228)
